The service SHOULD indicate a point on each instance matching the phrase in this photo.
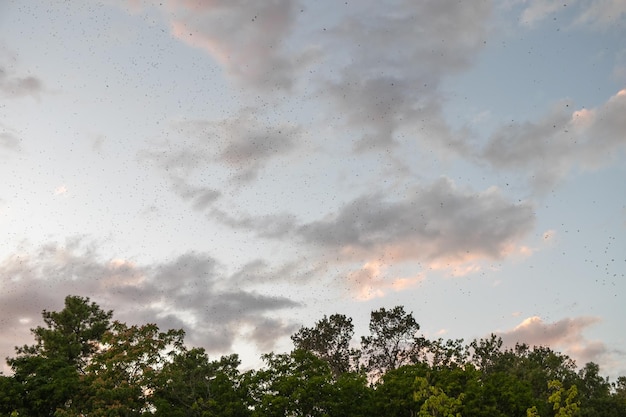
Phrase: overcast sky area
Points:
(242, 168)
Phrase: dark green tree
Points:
(393, 341)
(330, 340)
(394, 391)
(294, 384)
(450, 353)
(301, 384)
(51, 371)
(191, 385)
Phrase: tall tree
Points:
(329, 340)
(393, 341)
(50, 371)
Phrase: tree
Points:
(393, 341)
(564, 402)
(394, 391)
(121, 377)
(11, 393)
(300, 384)
(435, 402)
(595, 393)
(486, 352)
(191, 385)
(50, 372)
(329, 340)
(452, 353)
(294, 384)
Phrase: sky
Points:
(240, 169)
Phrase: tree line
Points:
(84, 363)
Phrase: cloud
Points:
(14, 86)
(602, 13)
(60, 190)
(242, 144)
(565, 334)
(8, 139)
(200, 197)
(373, 280)
(398, 58)
(560, 142)
(245, 37)
(436, 222)
(190, 291)
(380, 70)
(538, 10)
(596, 14)
(535, 332)
(268, 226)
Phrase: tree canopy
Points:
(83, 363)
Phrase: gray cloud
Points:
(189, 291)
(8, 139)
(438, 221)
(15, 86)
(433, 222)
(560, 142)
(200, 197)
(398, 59)
(269, 226)
(242, 144)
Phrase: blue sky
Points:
(240, 169)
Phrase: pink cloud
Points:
(565, 335)
(375, 279)
(245, 38)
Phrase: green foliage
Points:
(564, 402)
(330, 340)
(434, 401)
(191, 385)
(50, 372)
(394, 391)
(83, 364)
